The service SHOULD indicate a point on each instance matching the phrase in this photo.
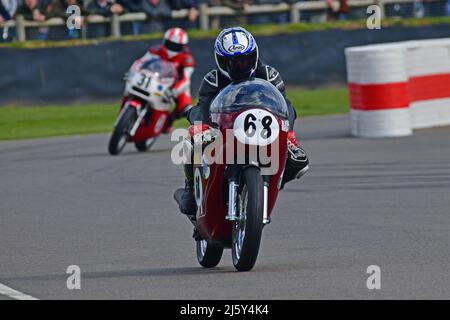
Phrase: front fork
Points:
(266, 219)
(141, 114)
(233, 187)
(232, 201)
(140, 110)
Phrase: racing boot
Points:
(297, 163)
(185, 199)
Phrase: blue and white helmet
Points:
(236, 53)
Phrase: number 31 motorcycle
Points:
(238, 174)
(147, 107)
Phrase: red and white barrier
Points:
(397, 87)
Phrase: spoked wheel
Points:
(145, 145)
(209, 253)
(247, 229)
(119, 136)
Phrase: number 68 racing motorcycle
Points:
(235, 191)
(147, 108)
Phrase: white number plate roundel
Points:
(256, 127)
(141, 80)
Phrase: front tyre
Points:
(247, 229)
(209, 253)
(119, 136)
(144, 145)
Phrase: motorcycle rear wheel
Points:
(209, 253)
(247, 229)
(119, 136)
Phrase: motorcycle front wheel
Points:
(145, 145)
(247, 229)
(209, 253)
(119, 136)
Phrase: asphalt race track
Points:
(385, 202)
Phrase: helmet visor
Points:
(240, 66)
(172, 46)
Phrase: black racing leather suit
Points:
(214, 81)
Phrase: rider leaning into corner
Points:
(237, 59)
(174, 48)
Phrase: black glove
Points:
(167, 95)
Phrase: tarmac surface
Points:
(384, 202)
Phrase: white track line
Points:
(14, 294)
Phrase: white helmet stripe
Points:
(176, 35)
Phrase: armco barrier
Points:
(397, 87)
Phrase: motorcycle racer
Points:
(174, 48)
(237, 59)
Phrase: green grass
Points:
(33, 122)
(22, 122)
(258, 30)
(319, 101)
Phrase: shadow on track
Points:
(52, 157)
(155, 272)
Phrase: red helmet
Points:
(175, 40)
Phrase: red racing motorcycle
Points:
(237, 176)
(147, 108)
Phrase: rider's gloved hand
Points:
(201, 133)
(168, 95)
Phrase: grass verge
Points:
(24, 122)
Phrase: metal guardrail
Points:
(205, 15)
